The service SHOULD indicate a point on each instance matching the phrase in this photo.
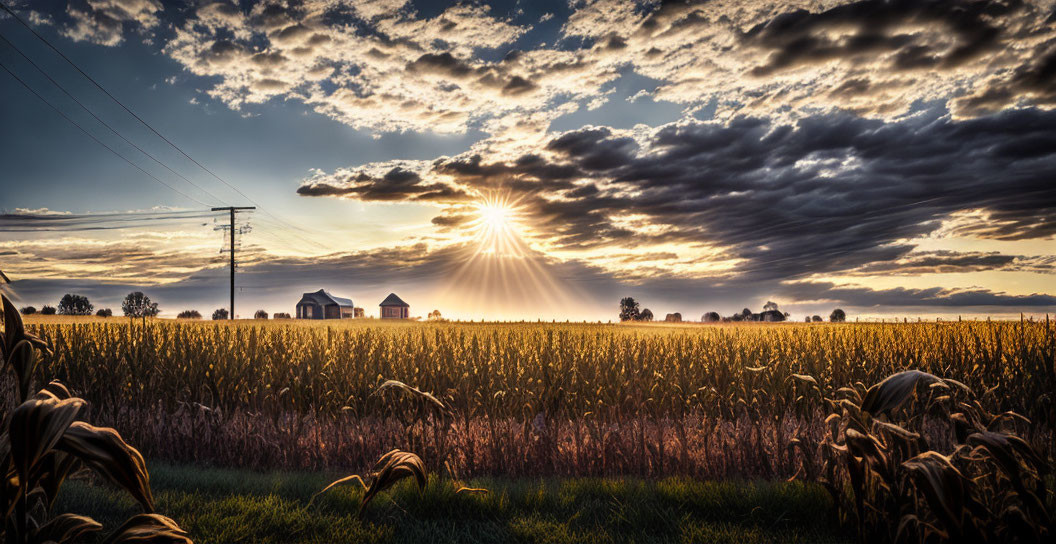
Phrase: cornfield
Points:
(526, 399)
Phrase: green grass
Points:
(232, 506)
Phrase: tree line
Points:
(135, 304)
(629, 311)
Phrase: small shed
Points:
(394, 308)
(323, 305)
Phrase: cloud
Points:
(951, 262)
(828, 193)
(103, 21)
(385, 182)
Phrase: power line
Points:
(104, 123)
(138, 118)
(97, 140)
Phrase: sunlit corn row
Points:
(536, 391)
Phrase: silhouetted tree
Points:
(260, 314)
(136, 304)
(281, 315)
(746, 314)
(646, 315)
(770, 305)
(806, 319)
(189, 314)
(435, 315)
(838, 316)
(28, 310)
(47, 310)
(628, 309)
(104, 312)
(219, 314)
(817, 319)
(710, 317)
(75, 305)
(673, 318)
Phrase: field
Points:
(566, 424)
(524, 399)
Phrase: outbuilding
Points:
(394, 308)
(323, 305)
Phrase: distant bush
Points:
(28, 310)
(189, 314)
(220, 313)
(673, 318)
(260, 314)
(817, 319)
(646, 315)
(838, 316)
(281, 315)
(710, 317)
(104, 312)
(47, 310)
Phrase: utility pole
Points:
(231, 229)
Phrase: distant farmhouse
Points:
(323, 305)
(394, 308)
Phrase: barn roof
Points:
(393, 300)
(323, 298)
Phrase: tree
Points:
(628, 309)
(136, 304)
(219, 314)
(817, 319)
(806, 319)
(281, 315)
(770, 305)
(260, 314)
(47, 310)
(710, 317)
(673, 318)
(435, 315)
(28, 310)
(646, 315)
(189, 314)
(746, 314)
(104, 312)
(75, 305)
(838, 316)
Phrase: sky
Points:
(534, 160)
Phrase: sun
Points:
(496, 227)
(495, 216)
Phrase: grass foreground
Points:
(230, 506)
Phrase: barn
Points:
(323, 305)
(394, 308)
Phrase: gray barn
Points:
(323, 305)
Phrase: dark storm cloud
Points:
(1036, 81)
(397, 184)
(832, 192)
(944, 262)
(799, 37)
